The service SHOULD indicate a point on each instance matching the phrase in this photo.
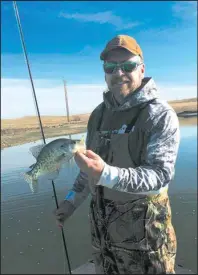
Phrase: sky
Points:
(65, 39)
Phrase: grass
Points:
(188, 105)
(26, 129)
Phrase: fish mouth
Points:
(68, 143)
(74, 141)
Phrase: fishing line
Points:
(39, 118)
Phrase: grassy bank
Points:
(26, 129)
(185, 105)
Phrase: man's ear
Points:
(143, 68)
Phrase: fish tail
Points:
(33, 183)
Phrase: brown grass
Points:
(189, 105)
(26, 129)
(31, 122)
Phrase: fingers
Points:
(60, 219)
(81, 156)
(63, 212)
(60, 223)
(58, 211)
(85, 158)
(90, 154)
(81, 160)
(59, 215)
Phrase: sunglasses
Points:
(126, 67)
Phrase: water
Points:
(30, 240)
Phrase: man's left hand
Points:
(90, 163)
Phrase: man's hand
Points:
(64, 211)
(90, 163)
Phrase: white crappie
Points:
(49, 159)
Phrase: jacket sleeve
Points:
(80, 189)
(158, 167)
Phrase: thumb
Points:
(90, 154)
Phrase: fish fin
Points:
(68, 161)
(82, 141)
(33, 183)
(60, 158)
(53, 175)
(71, 160)
(63, 159)
(32, 166)
(35, 150)
(34, 186)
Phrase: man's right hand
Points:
(64, 211)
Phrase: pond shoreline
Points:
(187, 114)
(22, 130)
(15, 137)
(18, 136)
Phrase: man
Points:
(132, 142)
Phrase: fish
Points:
(50, 158)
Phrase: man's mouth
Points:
(120, 82)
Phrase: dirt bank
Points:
(26, 129)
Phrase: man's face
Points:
(122, 83)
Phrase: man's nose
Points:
(118, 71)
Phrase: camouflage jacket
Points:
(161, 124)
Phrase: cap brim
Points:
(106, 51)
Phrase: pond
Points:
(30, 239)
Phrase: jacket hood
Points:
(146, 93)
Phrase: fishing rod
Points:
(39, 118)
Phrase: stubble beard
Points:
(120, 93)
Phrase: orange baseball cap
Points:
(122, 41)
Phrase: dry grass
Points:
(26, 129)
(30, 122)
(189, 105)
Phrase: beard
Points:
(121, 91)
(122, 86)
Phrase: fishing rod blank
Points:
(39, 117)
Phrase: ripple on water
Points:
(18, 193)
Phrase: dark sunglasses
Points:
(126, 67)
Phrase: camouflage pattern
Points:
(134, 238)
(152, 145)
(131, 226)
